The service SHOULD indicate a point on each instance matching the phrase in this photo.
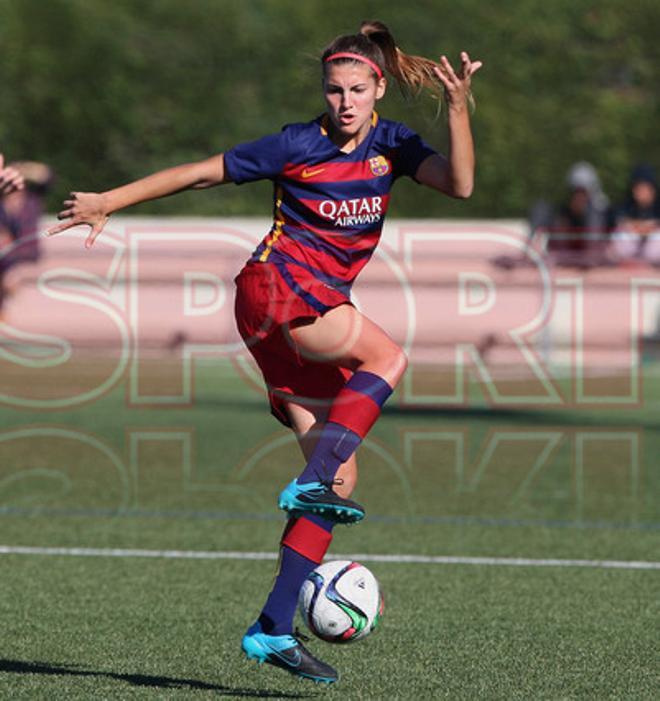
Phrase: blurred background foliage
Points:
(108, 91)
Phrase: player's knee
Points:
(390, 355)
(396, 363)
(401, 361)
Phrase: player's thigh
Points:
(343, 336)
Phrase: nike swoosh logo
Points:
(310, 173)
(293, 661)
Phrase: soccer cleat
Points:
(319, 498)
(288, 653)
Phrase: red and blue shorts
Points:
(269, 298)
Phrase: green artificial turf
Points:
(534, 483)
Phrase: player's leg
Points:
(345, 338)
(304, 543)
(306, 538)
(308, 425)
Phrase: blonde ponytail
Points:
(413, 73)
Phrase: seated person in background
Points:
(579, 229)
(10, 178)
(20, 210)
(638, 218)
(575, 233)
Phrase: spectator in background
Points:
(21, 206)
(574, 233)
(10, 178)
(580, 227)
(638, 218)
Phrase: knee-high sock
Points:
(353, 412)
(304, 544)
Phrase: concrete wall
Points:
(432, 285)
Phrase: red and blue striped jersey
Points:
(329, 206)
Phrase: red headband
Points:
(357, 57)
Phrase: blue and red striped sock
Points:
(353, 412)
(304, 544)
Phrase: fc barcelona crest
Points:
(379, 165)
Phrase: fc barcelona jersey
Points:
(329, 206)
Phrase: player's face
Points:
(351, 91)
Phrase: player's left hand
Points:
(82, 208)
(457, 83)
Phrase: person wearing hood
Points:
(582, 224)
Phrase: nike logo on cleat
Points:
(293, 661)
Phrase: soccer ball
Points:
(340, 601)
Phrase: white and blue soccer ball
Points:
(340, 601)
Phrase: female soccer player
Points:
(328, 368)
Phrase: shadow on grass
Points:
(527, 416)
(145, 680)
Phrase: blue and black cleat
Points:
(288, 653)
(319, 498)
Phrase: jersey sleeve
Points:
(262, 159)
(410, 151)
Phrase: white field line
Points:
(360, 557)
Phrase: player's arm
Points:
(454, 175)
(94, 208)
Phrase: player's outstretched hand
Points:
(10, 178)
(82, 208)
(457, 84)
